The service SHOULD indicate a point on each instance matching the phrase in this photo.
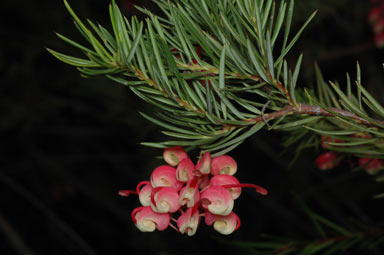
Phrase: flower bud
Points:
(372, 166)
(327, 160)
(146, 220)
(217, 200)
(189, 221)
(223, 165)
(223, 224)
(165, 200)
(204, 164)
(184, 170)
(145, 194)
(174, 155)
(165, 176)
(223, 179)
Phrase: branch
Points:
(300, 109)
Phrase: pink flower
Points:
(190, 195)
(217, 200)
(204, 164)
(223, 179)
(147, 220)
(374, 14)
(223, 224)
(165, 176)
(372, 166)
(165, 199)
(379, 40)
(184, 171)
(174, 155)
(189, 221)
(223, 165)
(327, 160)
(204, 181)
(145, 193)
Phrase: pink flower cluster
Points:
(331, 159)
(183, 193)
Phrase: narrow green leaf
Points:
(293, 41)
(295, 77)
(260, 70)
(268, 46)
(167, 126)
(79, 62)
(222, 79)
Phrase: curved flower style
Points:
(146, 220)
(225, 179)
(182, 193)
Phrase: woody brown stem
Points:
(315, 110)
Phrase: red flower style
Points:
(188, 192)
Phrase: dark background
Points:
(68, 144)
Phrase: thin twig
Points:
(301, 109)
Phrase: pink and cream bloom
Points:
(204, 164)
(217, 200)
(144, 193)
(190, 194)
(223, 165)
(174, 155)
(223, 224)
(188, 222)
(225, 179)
(165, 176)
(146, 220)
(165, 200)
(182, 193)
(184, 171)
(204, 181)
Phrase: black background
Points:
(68, 144)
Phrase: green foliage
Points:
(331, 239)
(239, 83)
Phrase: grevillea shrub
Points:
(179, 194)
